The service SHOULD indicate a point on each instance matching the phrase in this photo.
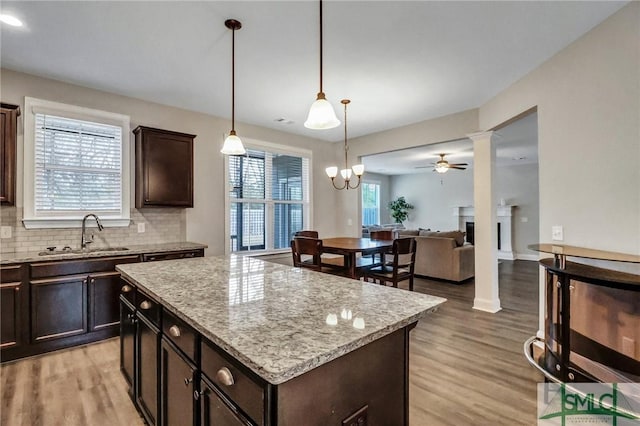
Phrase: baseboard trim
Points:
(532, 257)
(487, 305)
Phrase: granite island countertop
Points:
(277, 320)
(25, 257)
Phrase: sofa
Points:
(442, 255)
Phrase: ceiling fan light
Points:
(321, 115)
(233, 145)
(441, 168)
(331, 171)
(358, 169)
(346, 174)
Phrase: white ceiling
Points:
(516, 144)
(399, 62)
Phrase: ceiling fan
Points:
(442, 165)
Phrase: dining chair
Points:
(386, 234)
(402, 267)
(312, 248)
(309, 234)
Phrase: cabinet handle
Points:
(145, 305)
(93, 281)
(225, 377)
(17, 288)
(188, 381)
(84, 281)
(151, 258)
(126, 288)
(197, 394)
(174, 330)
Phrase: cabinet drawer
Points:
(128, 291)
(245, 392)
(179, 333)
(148, 307)
(81, 266)
(11, 273)
(151, 257)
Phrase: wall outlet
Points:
(557, 233)
(349, 222)
(141, 227)
(524, 219)
(5, 232)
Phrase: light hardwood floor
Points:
(467, 367)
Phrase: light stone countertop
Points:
(276, 319)
(24, 257)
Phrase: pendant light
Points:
(233, 144)
(321, 114)
(346, 173)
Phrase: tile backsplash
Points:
(163, 225)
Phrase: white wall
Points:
(435, 195)
(588, 99)
(204, 222)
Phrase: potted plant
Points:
(400, 209)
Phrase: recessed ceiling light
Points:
(10, 20)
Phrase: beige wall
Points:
(588, 99)
(204, 222)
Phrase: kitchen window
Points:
(76, 162)
(268, 197)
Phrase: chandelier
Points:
(346, 173)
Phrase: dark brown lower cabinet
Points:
(104, 293)
(58, 307)
(10, 314)
(127, 340)
(146, 361)
(177, 381)
(213, 410)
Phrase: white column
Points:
(486, 228)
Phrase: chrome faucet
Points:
(84, 240)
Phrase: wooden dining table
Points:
(349, 247)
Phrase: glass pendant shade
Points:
(332, 171)
(321, 115)
(358, 169)
(346, 174)
(233, 145)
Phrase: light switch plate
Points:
(524, 219)
(141, 227)
(557, 233)
(5, 232)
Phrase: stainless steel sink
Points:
(80, 251)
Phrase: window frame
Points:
(307, 202)
(33, 220)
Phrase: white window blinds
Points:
(78, 166)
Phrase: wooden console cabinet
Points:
(164, 168)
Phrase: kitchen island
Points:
(236, 340)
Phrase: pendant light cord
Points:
(320, 46)
(346, 148)
(233, 80)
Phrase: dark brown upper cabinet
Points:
(8, 133)
(164, 168)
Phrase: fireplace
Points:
(469, 228)
(504, 216)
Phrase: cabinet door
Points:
(8, 126)
(58, 307)
(146, 362)
(10, 314)
(214, 411)
(164, 168)
(104, 294)
(177, 384)
(127, 341)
